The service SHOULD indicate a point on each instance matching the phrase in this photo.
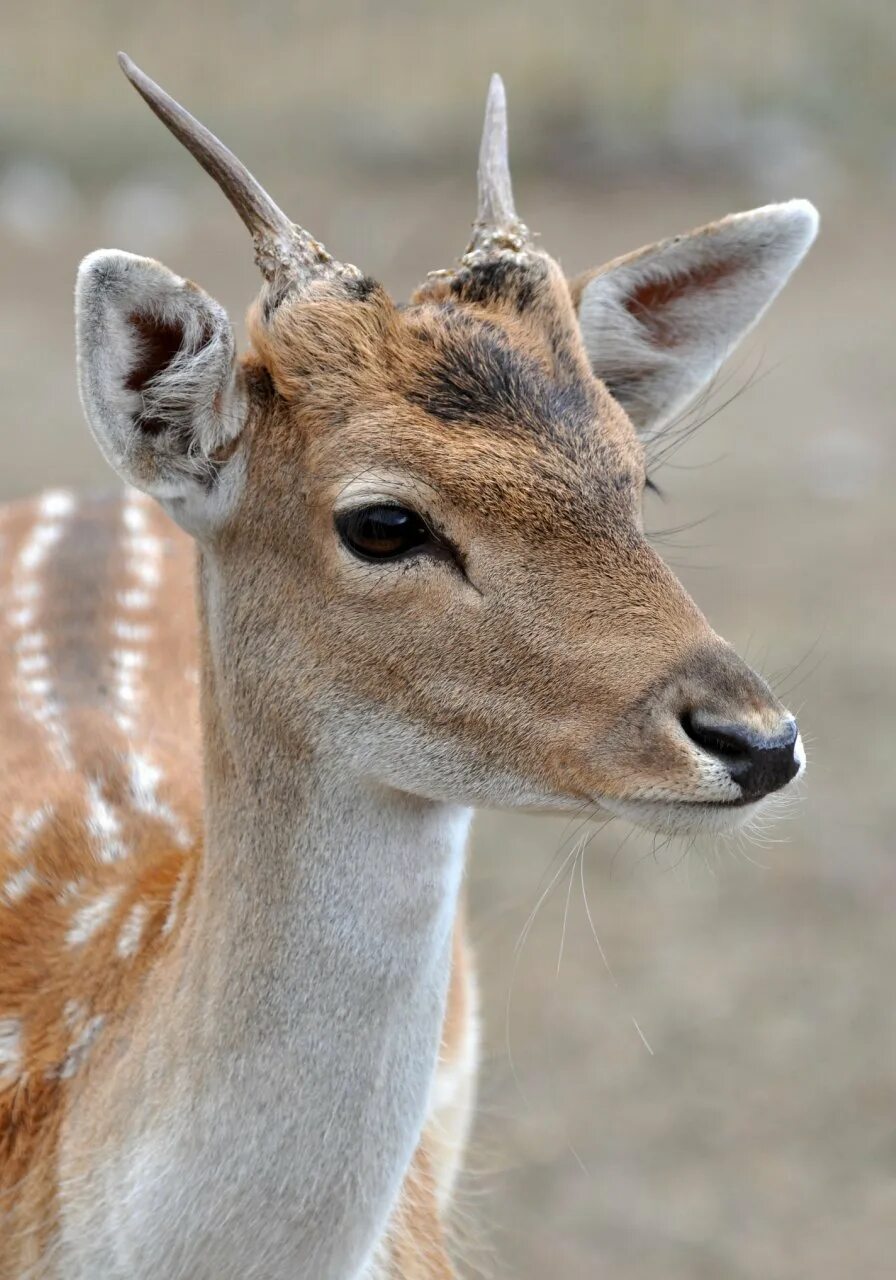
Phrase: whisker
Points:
(603, 954)
(572, 876)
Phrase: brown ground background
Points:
(757, 1140)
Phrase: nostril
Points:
(730, 742)
(759, 764)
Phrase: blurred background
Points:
(699, 1081)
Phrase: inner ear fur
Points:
(157, 371)
(658, 323)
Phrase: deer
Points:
(384, 568)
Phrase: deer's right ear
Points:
(658, 324)
(159, 384)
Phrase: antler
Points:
(286, 254)
(497, 226)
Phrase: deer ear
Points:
(658, 323)
(159, 383)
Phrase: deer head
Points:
(420, 527)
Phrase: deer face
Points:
(421, 527)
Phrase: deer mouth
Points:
(689, 817)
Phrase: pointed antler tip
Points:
(283, 250)
(496, 207)
(138, 78)
(495, 108)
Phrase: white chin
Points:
(681, 818)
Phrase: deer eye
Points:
(382, 532)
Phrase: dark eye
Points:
(383, 532)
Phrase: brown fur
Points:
(416, 1238)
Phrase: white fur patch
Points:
(135, 598)
(56, 504)
(174, 906)
(144, 778)
(30, 642)
(132, 930)
(75, 1013)
(26, 827)
(10, 1048)
(21, 618)
(19, 885)
(80, 1047)
(133, 632)
(103, 826)
(33, 663)
(87, 920)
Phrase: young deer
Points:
(237, 1022)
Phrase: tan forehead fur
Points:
(480, 387)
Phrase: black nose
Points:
(758, 764)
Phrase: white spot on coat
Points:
(10, 1048)
(132, 930)
(146, 571)
(135, 599)
(57, 503)
(144, 778)
(103, 826)
(75, 1013)
(134, 512)
(19, 885)
(80, 1047)
(32, 663)
(30, 641)
(88, 919)
(129, 659)
(22, 618)
(174, 907)
(26, 827)
(135, 632)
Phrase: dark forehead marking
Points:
(498, 280)
(361, 289)
(473, 374)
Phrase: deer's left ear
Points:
(658, 323)
(159, 383)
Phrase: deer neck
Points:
(304, 1027)
(319, 971)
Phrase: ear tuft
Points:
(658, 323)
(157, 373)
